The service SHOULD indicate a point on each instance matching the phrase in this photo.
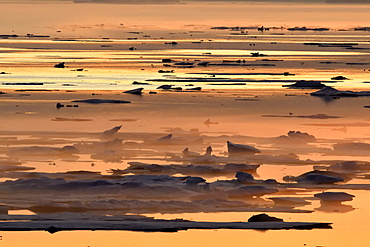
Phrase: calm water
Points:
(109, 64)
(99, 43)
(97, 38)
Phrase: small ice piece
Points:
(69, 149)
(194, 89)
(319, 179)
(241, 149)
(165, 87)
(339, 78)
(102, 101)
(263, 218)
(166, 138)
(350, 167)
(244, 177)
(43, 151)
(257, 54)
(184, 63)
(206, 158)
(187, 153)
(136, 91)
(60, 65)
(194, 181)
(295, 137)
(332, 202)
(301, 135)
(270, 181)
(289, 201)
(208, 151)
(334, 196)
(357, 147)
(327, 91)
(306, 84)
(59, 105)
(250, 191)
(332, 92)
(241, 167)
(109, 133)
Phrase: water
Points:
(97, 38)
(115, 67)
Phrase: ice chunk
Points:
(335, 196)
(244, 177)
(165, 139)
(263, 218)
(241, 149)
(289, 201)
(332, 92)
(207, 158)
(109, 133)
(194, 180)
(189, 154)
(102, 101)
(136, 91)
(306, 84)
(69, 222)
(353, 147)
(192, 170)
(37, 152)
(318, 177)
(250, 191)
(332, 202)
(350, 167)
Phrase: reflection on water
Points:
(335, 208)
(54, 159)
(136, 146)
(110, 64)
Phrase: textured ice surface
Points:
(68, 222)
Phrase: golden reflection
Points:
(54, 159)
